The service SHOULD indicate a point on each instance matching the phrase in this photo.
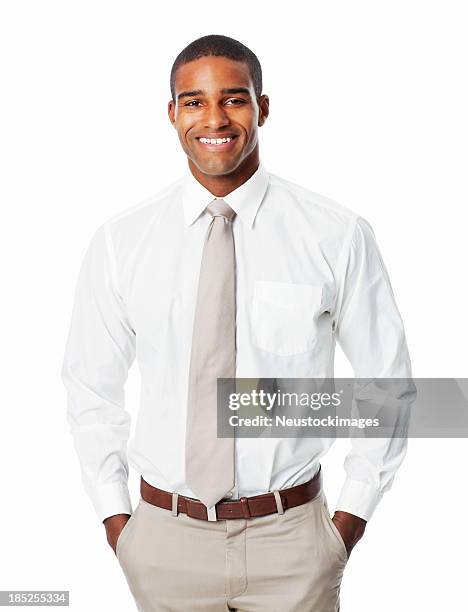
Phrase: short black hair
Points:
(218, 45)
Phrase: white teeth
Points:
(215, 141)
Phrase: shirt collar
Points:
(245, 200)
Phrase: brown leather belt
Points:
(245, 507)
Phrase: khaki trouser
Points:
(290, 562)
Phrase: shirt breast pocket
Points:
(284, 316)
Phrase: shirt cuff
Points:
(111, 499)
(358, 498)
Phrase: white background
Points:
(368, 106)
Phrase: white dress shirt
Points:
(308, 273)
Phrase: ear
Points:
(171, 111)
(263, 108)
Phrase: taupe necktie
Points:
(209, 460)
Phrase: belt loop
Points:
(211, 512)
(175, 499)
(279, 504)
(245, 507)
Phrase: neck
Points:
(222, 185)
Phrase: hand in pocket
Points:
(350, 527)
(114, 526)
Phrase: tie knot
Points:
(219, 208)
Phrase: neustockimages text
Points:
(283, 421)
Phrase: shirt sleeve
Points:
(369, 329)
(99, 352)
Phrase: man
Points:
(230, 271)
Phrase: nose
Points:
(215, 117)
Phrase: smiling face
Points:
(216, 114)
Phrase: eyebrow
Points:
(199, 92)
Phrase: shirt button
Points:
(228, 495)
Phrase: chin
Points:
(217, 168)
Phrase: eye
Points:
(236, 100)
(191, 102)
